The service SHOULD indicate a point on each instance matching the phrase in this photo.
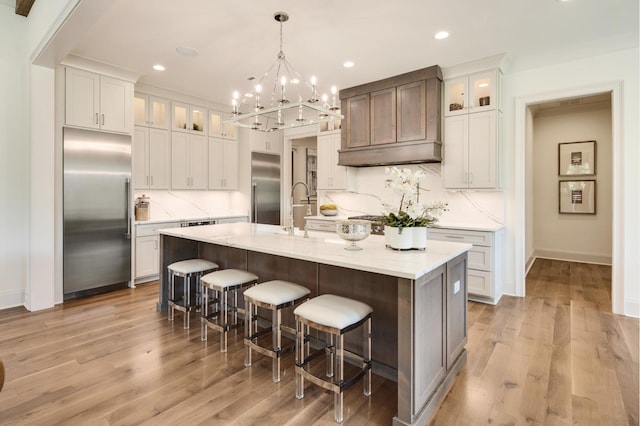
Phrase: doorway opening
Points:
(524, 178)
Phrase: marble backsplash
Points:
(482, 208)
(179, 205)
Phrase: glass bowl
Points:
(353, 230)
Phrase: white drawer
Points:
(321, 225)
(479, 257)
(153, 228)
(480, 283)
(479, 238)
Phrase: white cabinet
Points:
(472, 93)
(98, 102)
(471, 151)
(189, 118)
(147, 256)
(147, 262)
(188, 161)
(151, 158)
(223, 164)
(219, 129)
(150, 111)
(331, 176)
(472, 131)
(484, 262)
(270, 142)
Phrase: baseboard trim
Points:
(11, 299)
(632, 308)
(573, 257)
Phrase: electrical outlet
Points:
(456, 287)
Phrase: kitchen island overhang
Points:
(418, 297)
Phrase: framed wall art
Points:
(577, 196)
(577, 158)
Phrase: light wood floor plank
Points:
(556, 357)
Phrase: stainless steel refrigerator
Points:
(265, 188)
(97, 219)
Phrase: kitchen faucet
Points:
(291, 205)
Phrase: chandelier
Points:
(288, 106)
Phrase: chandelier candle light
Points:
(283, 113)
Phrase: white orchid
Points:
(411, 212)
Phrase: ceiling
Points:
(239, 39)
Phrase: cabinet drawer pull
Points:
(457, 237)
(96, 118)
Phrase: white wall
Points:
(14, 157)
(576, 237)
(586, 76)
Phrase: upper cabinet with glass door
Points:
(150, 111)
(219, 129)
(189, 118)
(472, 93)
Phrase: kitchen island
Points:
(419, 298)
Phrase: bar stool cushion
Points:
(228, 278)
(333, 311)
(276, 292)
(191, 266)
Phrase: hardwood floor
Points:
(557, 356)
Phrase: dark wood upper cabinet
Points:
(356, 115)
(393, 121)
(383, 116)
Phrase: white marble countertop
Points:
(326, 248)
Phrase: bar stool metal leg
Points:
(300, 356)
(276, 337)
(338, 400)
(367, 352)
(224, 298)
(172, 294)
(186, 285)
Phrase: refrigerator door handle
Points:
(127, 194)
(254, 188)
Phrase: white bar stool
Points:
(221, 283)
(186, 269)
(334, 315)
(275, 296)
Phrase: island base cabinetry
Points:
(418, 341)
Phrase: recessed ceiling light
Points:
(441, 35)
(186, 51)
(158, 67)
(348, 64)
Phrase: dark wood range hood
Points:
(393, 121)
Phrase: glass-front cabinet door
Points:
(189, 118)
(483, 91)
(150, 111)
(180, 117)
(472, 93)
(455, 96)
(158, 112)
(219, 129)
